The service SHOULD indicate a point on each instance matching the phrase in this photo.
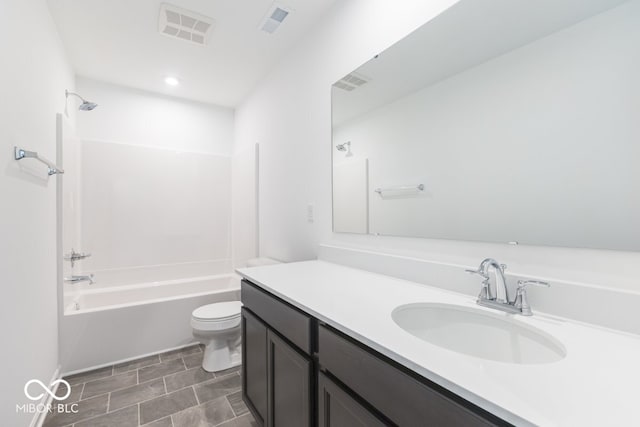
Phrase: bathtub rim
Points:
(68, 309)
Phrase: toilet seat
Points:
(217, 316)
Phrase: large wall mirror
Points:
(497, 121)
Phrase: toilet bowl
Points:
(217, 326)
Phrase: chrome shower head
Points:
(86, 105)
(346, 146)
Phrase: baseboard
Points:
(128, 359)
(39, 417)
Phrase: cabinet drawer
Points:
(281, 316)
(402, 398)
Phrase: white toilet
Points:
(217, 326)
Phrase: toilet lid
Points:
(218, 311)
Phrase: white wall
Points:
(34, 75)
(155, 185)
(538, 145)
(289, 113)
(133, 116)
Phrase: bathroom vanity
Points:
(300, 371)
(322, 346)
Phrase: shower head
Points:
(86, 105)
(346, 146)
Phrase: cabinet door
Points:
(337, 409)
(254, 365)
(289, 384)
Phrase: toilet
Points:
(217, 326)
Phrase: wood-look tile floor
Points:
(166, 390)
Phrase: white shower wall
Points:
(143, 207)
(155, 186)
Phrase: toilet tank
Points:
(256, 262)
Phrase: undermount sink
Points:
(478, 333)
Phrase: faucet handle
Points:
(479, 273)
(522, 302)
(484, 291)
(522, 284)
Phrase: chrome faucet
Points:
(501, 294)
(500, 299)
(74, 256)
(77, 279)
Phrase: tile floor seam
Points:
(196, 394)
(144, 401)
(139, 404)
(169, 415)
(215, 377)
(232, 411)
(82, 420)
(201, 404)
(166, 390)
(229, 402)
(111, 391)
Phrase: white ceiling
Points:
(117, 41)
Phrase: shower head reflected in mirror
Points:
(345, 147)
(86, 105)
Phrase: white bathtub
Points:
(117, 323)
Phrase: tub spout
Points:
(78, 279)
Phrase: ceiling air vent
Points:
(276, 14)
(351, 81)
(184, 24)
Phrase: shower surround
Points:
(149, 196)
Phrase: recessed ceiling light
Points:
(171, 81)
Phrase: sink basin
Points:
(478, 333)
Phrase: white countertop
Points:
(596, 384)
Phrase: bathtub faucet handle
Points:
(74, 256)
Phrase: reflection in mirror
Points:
(497, 121)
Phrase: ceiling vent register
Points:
(184, 24)
(276, 14)
(351, 81)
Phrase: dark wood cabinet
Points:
(300, 372)
(289, 384)
(404, 399)
(278, 373)
(254, 365)
(336, 408)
